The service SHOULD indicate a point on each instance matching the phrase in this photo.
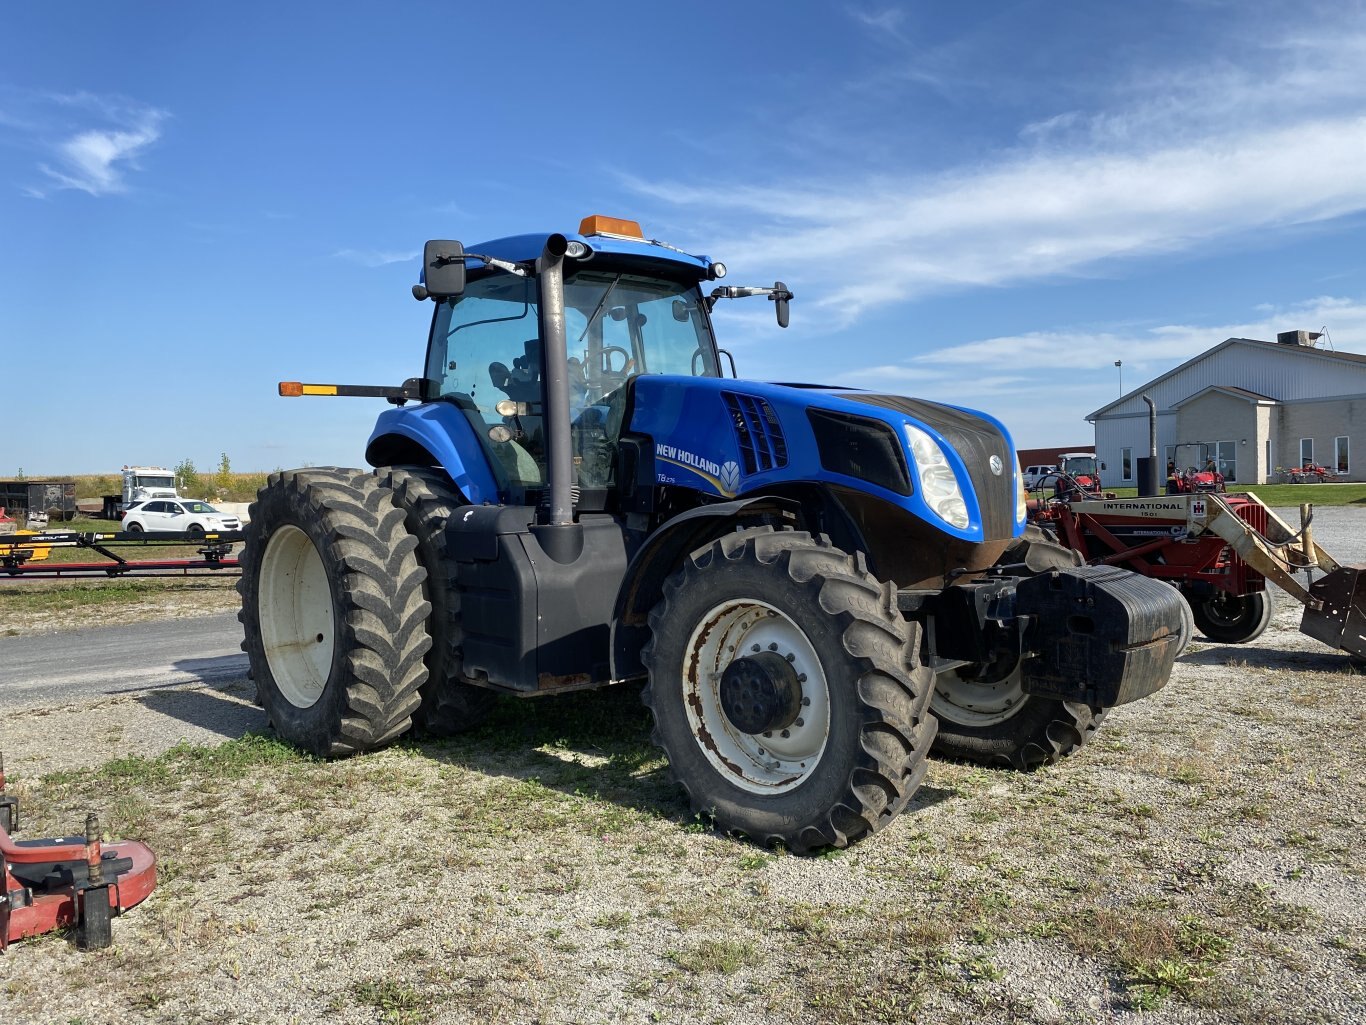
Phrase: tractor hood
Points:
(953, 467)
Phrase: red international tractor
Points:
(1078, 475)
(1219, 550)
(1202, 477)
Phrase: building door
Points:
(1228, 459)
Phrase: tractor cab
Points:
(1078, 476)
(485, 356)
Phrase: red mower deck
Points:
(76, 881)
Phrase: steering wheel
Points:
(627, 362)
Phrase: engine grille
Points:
(976, 441)
(860, 447)
(758, 433)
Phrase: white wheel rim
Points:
(762, 763)
(969, 703)
(297, 629)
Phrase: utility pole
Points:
(1119, 365)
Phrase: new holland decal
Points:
(724, 477)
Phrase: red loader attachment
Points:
(67, 880)
(1219, 550)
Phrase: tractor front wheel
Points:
(1232, 618)
(333, 610)
(787, 691)
(997, 723)
(984, 714)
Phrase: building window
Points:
(1126, 460)
(1341, 455)
(1306, 451)
(1228, 459)
(1267, 469)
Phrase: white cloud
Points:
(884, 22)
(1155, 349)
(376, 257)
(1055, 378)
(90, 142)
(1032, 216)
(1264, 136)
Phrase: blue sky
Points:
(983, 203)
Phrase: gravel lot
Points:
(1201, 861)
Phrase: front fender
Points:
(443, 430)
(643, 585)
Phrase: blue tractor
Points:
(816, 585)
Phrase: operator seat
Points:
(522, 458)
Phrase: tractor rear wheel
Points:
(986, 717)
(449, 705)
(787, 691)
(333, 610)
(1232, 618)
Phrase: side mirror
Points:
(781, 297)
(443, 269)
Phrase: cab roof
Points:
(525, 248)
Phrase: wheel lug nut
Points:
(791, 657)
(787, 733)
(805, 701)
(773, 646)
(800, 721)
(801, 677)
(755, 648)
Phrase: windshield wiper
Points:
(598, 312)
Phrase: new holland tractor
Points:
(808, 580)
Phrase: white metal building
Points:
(1259, 407)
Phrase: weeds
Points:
(725, 957)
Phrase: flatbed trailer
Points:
(1219, 550)
(214, 554)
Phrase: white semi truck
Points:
(139, 484)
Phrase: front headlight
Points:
(1021, 498)
(938, 484)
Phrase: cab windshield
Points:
(486, 348)
(1084, 466)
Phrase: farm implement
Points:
(1219, 550)
(67, 881)
(27, 555)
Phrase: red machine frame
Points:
(1112, 539)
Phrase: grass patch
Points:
(724, 957)
(231, 760)
(397, 1003)
(85, 595)
(1282, 495)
